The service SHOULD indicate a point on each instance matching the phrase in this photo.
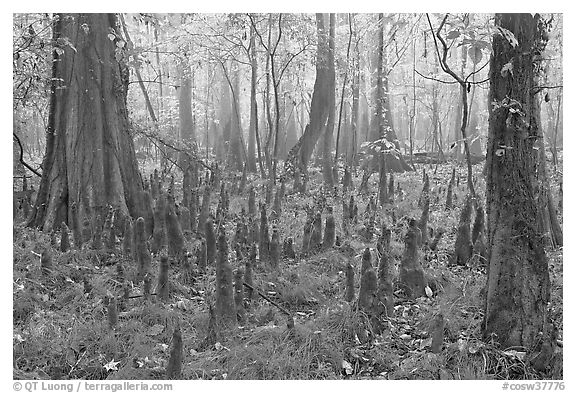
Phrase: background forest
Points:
(287, 196)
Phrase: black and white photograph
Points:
(280, 196)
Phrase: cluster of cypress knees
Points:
(164, 226)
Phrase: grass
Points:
(61, 330)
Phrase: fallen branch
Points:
(268, 299)
(290, 322)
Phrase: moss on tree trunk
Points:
(518, 285)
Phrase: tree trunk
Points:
(253, 108)
(185, 103)
(320, 98)
(548, 218)
(237, 148)
(327, 163)
(159, 65)
(518, 285)
(459, 108)
(253, 136)
(355, 105)
(340, 112)
(382, 127)
(90, 156)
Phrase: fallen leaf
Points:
(111, 365)
(347, 367)
(516, 354)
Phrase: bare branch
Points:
(21, 158)
(434, 79)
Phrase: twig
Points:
(434, 79)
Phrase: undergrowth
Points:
(61, 329)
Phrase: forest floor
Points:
(61, 331)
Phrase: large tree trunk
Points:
(320, 97)
(90, 158)
(382, 124)
(518, 285)
(327, 164)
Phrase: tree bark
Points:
(237, 148)
(90, 157)
(327, 163)
(382, 124)
(518, 285)
(320, 98)
(355, 104)
(344, 86)
(185, 103)
(253, 105)
(457, 118)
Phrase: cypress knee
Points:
(46, 262)
(349, 282)
(449, 204)
(128, 237)
(159, 235)
(366, 261)
(147, 211)
(423, 223)
(184, 219)
(385, 287)
(316, 234)
(330, 230)
(174, 367)
(288, 248)
(463, 245)
(205, 210)
(163, 289)
(436, 240)
(252, 202)
(201, 258)
(210, 242)
(252, 255)
(112, 311)
(478, 226)
(264, 240)
(411, 273)
(225, 308)
(192, 206)
(437, 330)
(239, 294)
(368, 286)
(274, 249)
(142, 255)
(174, 235)
(248, 280)
(64, 237)
(391, 187)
